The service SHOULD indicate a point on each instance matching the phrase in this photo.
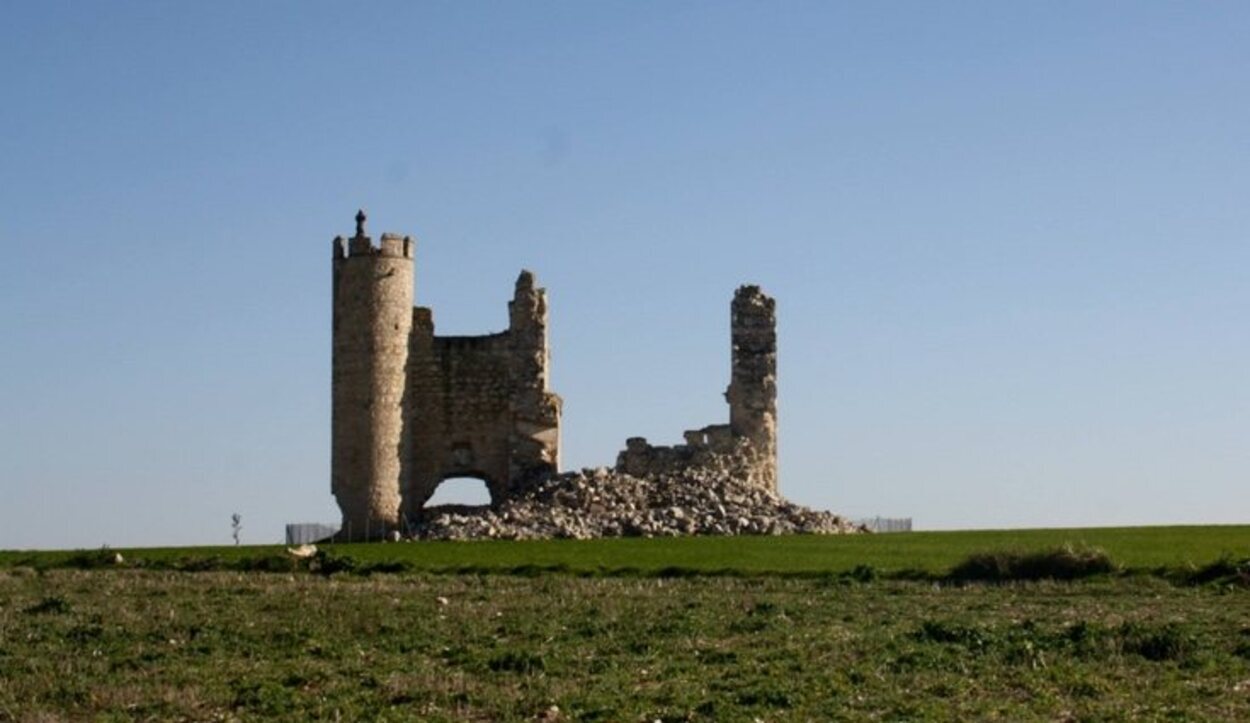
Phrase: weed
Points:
(265, 698)
(971, 637)
(329, 563)
(516, 661)
(764, 696)
(1157, 643)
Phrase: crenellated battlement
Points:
(391, 245)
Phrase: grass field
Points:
(1136, 548)
(633, 633)
(157, 645)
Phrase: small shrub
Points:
(950, 633)
(1063, 563)
(267, 698)
(1156, 643)
(918, 659)
(328, 563)
(92, 559)
(1086, 640)
(863, 573)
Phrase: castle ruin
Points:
(752, 397)
(411, 409)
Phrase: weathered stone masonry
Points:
(411, 409)
(480, 404)
(751, 434)
(372, 318)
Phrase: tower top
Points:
(360, 223)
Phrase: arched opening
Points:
(460, 492)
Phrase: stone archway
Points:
(461, 491)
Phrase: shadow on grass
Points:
(1227, 571)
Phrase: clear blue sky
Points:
(1009, 243)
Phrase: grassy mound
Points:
(1061, 563)
(1226, 571)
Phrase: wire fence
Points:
(886, 524)
(302, 533)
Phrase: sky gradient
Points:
(1008, 243)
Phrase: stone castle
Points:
(411, 409)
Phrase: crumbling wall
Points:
(535, 432)
(641, 459)
(748, 444)
(411, 409)
(752, 393)
(460, 410)
(479, 405)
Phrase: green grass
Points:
(932, 553)
(774, 628)
(161, 645)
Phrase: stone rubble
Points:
(711, 499)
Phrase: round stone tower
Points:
(372, 321)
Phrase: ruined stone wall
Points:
(479, 405)
(748, 443)
(461, 410)
(641, 459)
(372, 317)
(535, 433)
(752, 393)
(410, 409)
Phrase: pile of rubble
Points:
(703, 500)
